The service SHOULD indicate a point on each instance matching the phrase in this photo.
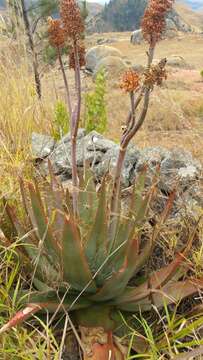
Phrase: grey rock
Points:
(136, 37)
(152, 157)
(97, 53)
(108, 164)
(177, 61)
(42, 145)
(138, 68)
(67, 138)
(113, 67)
(103, 41)
(97, 142)
(180, 24)
(177, 168)
(90, 147)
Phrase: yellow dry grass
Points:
(175, 117)
(21, 113)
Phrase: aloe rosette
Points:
(81, 267)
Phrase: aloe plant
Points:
(79, 266)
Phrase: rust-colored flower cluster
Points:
(130, 81)
(56, 33)
(81, 56)
(153, 23)
(156, 74)
(72, 20)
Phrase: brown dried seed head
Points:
(130, 81)
(153, 23)
(155, 75)
(72, 19)
(56, 33)
(81, 56)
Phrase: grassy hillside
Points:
(194, 18)
(194, 4)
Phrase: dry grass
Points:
(20, 114)
(176, 111)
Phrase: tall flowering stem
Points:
(57, 40)
(73, 26)
(153, 26)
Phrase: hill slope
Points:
(125, 15)
(194, 4)
(194, 18)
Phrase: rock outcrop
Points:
(126, 15)
(178, 169)
(97, 53)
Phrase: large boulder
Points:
(97, 53)
(113, 67)
(90, 147)
(180, 24)
(136, 37)
(109, 160)
(178, 169)
(177, 61)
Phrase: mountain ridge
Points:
(126, 15)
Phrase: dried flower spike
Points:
(156, 74)
(154, 23)
(72, 19)
(56, 33)
(130, 81)
(81, 56)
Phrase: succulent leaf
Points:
(171, 293)
(75, 267)
(96, 248)
(114, 286)
(87, 198)
(158, 279)
(43, 227)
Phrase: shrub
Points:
(201, 73)
(61, 120)
(50, 54)
(96, 114)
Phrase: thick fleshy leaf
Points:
(55, 201)
(160, 277)
(171, 293)
(20, 317)
(96, 247)
(139, 203)
(75, 267)
(126, 225)
(43, 227)
(125, 234)
(49, 301)
(114, 286)
(40, 264)
(87, 198)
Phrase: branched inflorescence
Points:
(81, 56)
(155, 75)
(56, 33)
(130, 81)
(72, 19)
(154, 23)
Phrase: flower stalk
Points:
(153, 25)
